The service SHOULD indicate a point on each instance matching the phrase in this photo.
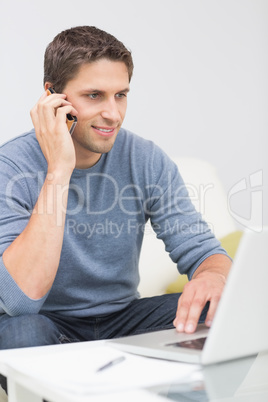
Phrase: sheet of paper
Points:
(76, 371)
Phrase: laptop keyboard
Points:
(196, 344)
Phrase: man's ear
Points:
(48, 85)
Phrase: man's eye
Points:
(121, 95)
(93, 96)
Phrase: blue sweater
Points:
(108, 207)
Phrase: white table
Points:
(244, 380)
(22, 387)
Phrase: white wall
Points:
(200, 82)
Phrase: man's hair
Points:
(79, 45)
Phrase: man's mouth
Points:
(106, 131)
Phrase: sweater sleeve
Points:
(187, 237)
(16, 204)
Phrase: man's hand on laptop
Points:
(206, 285)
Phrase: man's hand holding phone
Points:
(70, 120)
(49, 117)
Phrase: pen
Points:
(111, 363)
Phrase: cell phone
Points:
(70, 119)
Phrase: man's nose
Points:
(111, 111)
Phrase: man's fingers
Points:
(184, 305)
(206, 286)
(212, 310)
(190, 307)
(34, 112)
(189, 316)
(194, 314)
(49, 119)
(49, 114)
(181, 316)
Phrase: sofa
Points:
(158, 273)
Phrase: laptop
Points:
(240, 325)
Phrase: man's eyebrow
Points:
(125, 90)
(90, 90)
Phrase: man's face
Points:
(99, 94)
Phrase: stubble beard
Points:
(103, 146)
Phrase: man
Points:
(73, 210)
